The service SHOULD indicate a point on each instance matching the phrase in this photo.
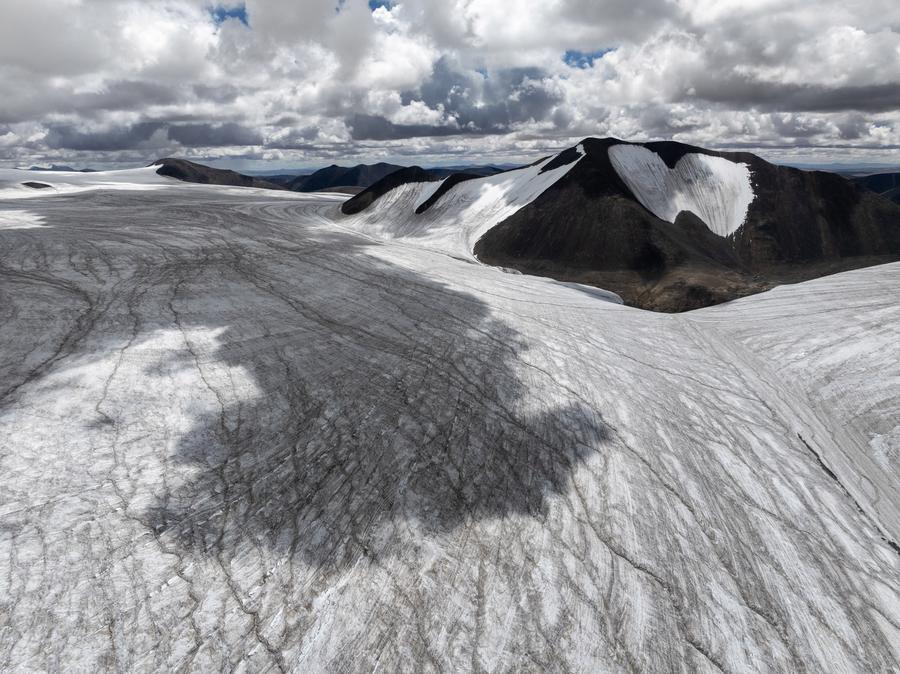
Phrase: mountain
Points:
(481, 171)
(191, 172)
(277, 173)
(412, 175)
(342, 179)
(364, 175)
(361, 175)
(61, 168)
(885, 184)
(667, 226)
(278, 178)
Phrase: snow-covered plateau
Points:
(242, 432)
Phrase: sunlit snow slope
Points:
(460, 216)
(13, 181)
(237, 435)
(715, 189)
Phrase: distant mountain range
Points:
(885, 184)
(60, 167)
(334, 178)
(364, 175)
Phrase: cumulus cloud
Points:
(112, 81)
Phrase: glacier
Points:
(241, 431)
(461, 215)
(12, 181)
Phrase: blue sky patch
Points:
(375, 4)
(584, 59)
(221, 14)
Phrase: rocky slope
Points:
(668, 226)
(191, 172)
(342, 179)
(363, 176)
(885, 184)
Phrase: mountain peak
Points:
(669, 226)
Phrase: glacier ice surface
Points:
(237, 434)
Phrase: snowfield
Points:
(715, 189)
(12, 181)
(240, 431)
(462, 215)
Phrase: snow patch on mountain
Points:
(461, 216)
(427, 192)
(716, 190)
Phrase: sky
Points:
(304, 83)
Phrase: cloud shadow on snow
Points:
(388, 401)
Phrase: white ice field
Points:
(240, 431)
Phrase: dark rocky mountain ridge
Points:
(61, 168)
(885, 184)
(334, 178)
(191, 172)
(590, 227)
(361, 175)
(365, 175)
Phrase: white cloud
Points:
(105, 80)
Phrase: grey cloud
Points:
(869, 98)
(800, 98)
(78, 75)
(626, 19)
(214, 135)
(794, 127)
(26, 101)
(292, 145)
(286, 121)
(490, 103)
(295, 139)
(375, 127)
(217, 94)
(804, 144)
(127, 95)
(68, 137)
(658, 121)
(852, 127)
